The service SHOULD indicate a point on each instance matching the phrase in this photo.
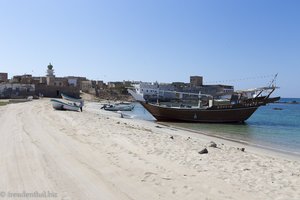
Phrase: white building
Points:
(154, 90)
(72, 81)
(146, 88)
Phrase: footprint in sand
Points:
(174, 190)
(148, 176)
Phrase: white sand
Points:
(101, 156)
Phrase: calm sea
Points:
(275, 126)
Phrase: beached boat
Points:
(74, 101)
(64, 105)
(118, 107)
(238, 109)
(68, 98)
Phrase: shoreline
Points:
(266, 147)
(251, 147)
(254, 147)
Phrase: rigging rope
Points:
(245, 79)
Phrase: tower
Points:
(50, 75)
(50, 71)
(196, 81)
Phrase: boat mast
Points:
(157, 96)
(273, 81)
(199, 100)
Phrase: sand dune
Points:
(98, 155)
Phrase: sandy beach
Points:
(98, 155)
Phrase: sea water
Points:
(275, 126)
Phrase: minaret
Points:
(50, 75)
(50, 71)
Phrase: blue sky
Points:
(155, 40)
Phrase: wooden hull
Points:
(210, 115)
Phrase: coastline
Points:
(260, 149)
(4, 102)
(98, 155)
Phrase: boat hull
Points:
(119, 107)
(78, 102)
(60, 105)
(222, 115)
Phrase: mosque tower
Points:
(50, 71)
(50, 77)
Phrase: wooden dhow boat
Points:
(237, 109)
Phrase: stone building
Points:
(75, 80)
(16, 90)
(3, 77)
(196, 81)
(166, 91)
(116, 84)
(23, 79)
(86, 86)
(52, 86)
(47, 86)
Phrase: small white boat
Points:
(63, 105)
(118, 107)
(77, 102)
(71, 98)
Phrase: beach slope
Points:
(98, 155)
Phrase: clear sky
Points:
(155, 40)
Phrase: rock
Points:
(203, 151)
(118, 122)
(241, 149)
(172, 137)
(212, 144)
